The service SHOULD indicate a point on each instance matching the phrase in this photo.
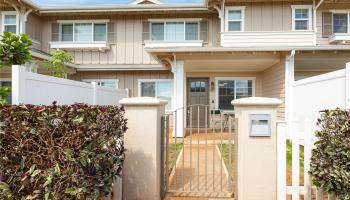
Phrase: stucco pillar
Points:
(179, 96)
(142, 167)
(256, 148)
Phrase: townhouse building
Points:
(195, 52)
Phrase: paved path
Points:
(206, 178)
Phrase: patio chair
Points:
(214, 115)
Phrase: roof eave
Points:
(250, 49)
(119, 8)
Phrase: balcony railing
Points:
(266, 39)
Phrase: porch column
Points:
(178, 70)
(23, 16)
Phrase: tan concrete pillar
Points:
(141, 171)
(256, 148)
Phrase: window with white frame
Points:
(83, 31)
(9, 22)
(235, 18)
(302, 17)
(228, 89)
(112, 83)
(160, 88)
(174, 30)
(341, 22)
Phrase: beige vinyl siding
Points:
(34, 29)
(269, 16)
(273, 85)
(126, 79)
(128, 47)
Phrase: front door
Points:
(197, 101)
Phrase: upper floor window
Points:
(341, 22)
(9, 22)
(302, 17)
(235, 18)
(80, 31)
(175, 30)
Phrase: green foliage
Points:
(4, 92)
(57, 66)
(60, 152)
(289, 154)
(330, 162)
(14, 49)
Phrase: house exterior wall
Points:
(126, 79)
(128, 47)
(34, 29)
(213, 75)
(273, 85)
(326, 7)
(267, 16)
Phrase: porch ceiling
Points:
(321, 61)
(229, 62)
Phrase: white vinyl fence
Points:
(326, 91)
(38, 89)
(299, 136)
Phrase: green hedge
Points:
(330, 161)
(60, 152)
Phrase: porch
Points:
(206, 83)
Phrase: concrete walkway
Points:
(201, 173)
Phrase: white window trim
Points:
(3, 20)
(73, 22)
(101, 80)
(309, 7)
(242, 9)
(156, 88)
(176, 20)
(341, 12)
(253, 79)
(192, 20)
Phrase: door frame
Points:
(187, 97)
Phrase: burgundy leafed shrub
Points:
(60, 152)
(330, 161)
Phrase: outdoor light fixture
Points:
(212, 86)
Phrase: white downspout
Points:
(315, 7)
(289, 80)
(174, 71)
(221, 12)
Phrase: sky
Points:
(103, 2)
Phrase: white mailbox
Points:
(260, 125)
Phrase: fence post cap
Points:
(142, 101)
(348, 64)
(257, 101)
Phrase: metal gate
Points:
(200, 163)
